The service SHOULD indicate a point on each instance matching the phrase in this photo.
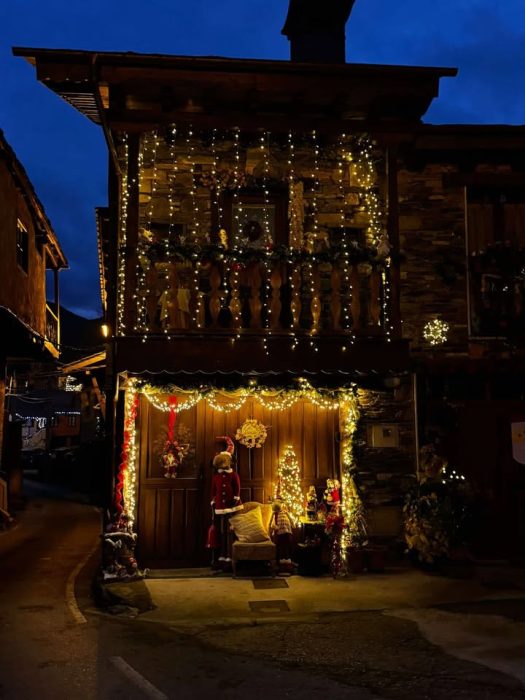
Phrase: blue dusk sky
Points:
(65, 154)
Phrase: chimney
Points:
(316, 30)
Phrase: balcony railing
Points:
(263, 296)
(52, 334)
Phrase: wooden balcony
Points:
(231, 316)
(52, 337)
(264, 297)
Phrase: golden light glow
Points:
(289, 484)
(225, 401)
(436, 331)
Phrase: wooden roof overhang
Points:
(469, 145)
(137, 92)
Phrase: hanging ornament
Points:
(173, 452)
(252, 433)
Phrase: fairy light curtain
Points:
(182, 173)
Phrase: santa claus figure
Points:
(226, 499)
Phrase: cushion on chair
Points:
(248, 527)
(253, 551)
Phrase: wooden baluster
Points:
(235, 302)
(315, 304)
(153, 295)
(356, 298)
(275, 302)
(171, 314)
(375, 302)
(197, 301)
(215, 298)
(255, 279)
(335, 301)
(295, 304)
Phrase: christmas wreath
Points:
(252, 433)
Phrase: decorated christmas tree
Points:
(289, 485)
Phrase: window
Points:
(253, 218)
(71, 421)
(496, 246)
(22, 245)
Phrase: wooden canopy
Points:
(129, 91)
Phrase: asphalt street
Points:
(56, 645)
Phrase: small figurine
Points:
(172, 456)
(332, 495)
(311, 503)
(282, 527)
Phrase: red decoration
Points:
(129, 428)
(173, 452)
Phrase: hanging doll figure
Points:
(226, 499)
(282, 528)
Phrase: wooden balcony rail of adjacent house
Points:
(52, 327)
(263, 296)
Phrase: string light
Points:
(436, 331)
(123, 222)
(195, 231)
(343, 399)
(130, 452)
(171, 209)
(347, 323)
(296, 219)
(265, 148)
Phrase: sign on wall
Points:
(518, 441)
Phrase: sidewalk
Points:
(201, 601)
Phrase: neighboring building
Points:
(28, 250)
(278, 236)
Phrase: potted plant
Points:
(437, 514)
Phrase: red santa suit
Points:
(225, 491)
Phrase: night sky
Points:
(65, 154)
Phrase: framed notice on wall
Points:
(518, 441)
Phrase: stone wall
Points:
(385, 473)
(432, 239)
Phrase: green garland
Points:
(210, 252)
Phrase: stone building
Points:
(279, 237)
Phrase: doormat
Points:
(265, 584)
(268, 607)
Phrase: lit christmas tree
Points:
(289, 485)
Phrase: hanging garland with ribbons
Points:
(128, 446)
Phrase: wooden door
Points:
(174, 514)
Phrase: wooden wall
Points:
(174, 514)
(22, 292)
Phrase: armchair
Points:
(256, 551)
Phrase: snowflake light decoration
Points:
(436, 331)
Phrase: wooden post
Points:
(335, 294)
(275, 303)
(132, 232)
(393, 237)
(296, 296)
(254, 273)
(215, 299)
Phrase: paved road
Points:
(48, 649)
